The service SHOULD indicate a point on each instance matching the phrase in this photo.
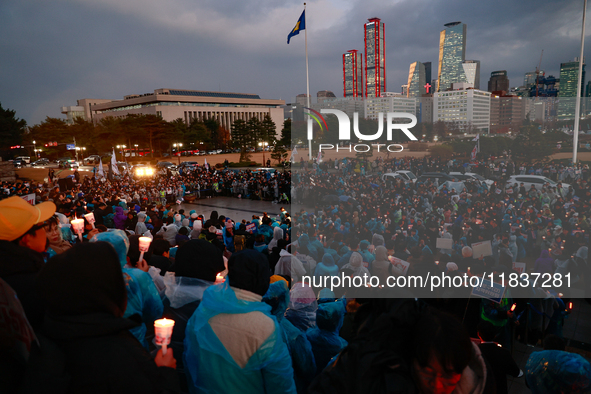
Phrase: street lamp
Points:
(263, 145)
(178, 145)
(136, 149)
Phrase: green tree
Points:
(12, 129)
(255, 132)
(241, 138)
(530, 144)
(286, 133)
(268, 130)
(279, 154)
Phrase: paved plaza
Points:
(231, 207)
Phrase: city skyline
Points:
(73, 49)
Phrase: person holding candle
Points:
(87, 337)
(196, 265)
(142, 296)
(233, 343)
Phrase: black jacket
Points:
(501, 363)
(19, 267)
(95, 353)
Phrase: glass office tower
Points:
(452, 53)
(353, 74)
(375, 58)
(416, 80)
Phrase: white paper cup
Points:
(78, 226)
(163, 332)
(145, 243)
(90, 218)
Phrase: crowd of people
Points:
(80, 307)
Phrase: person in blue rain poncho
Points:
(327, 267)
(233, 343)
(302, 358)
(324, 338)
(142, 295)
(367, 256)
(555, 371)
(302, 306)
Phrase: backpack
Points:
(239, 243)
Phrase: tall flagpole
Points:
(308, 86)
(579, 82)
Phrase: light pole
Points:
(179, 146)
(34, 148)
(135, 145)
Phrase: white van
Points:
(406, 176)
(26, 159)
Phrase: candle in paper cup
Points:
(163, 332)
(90, 218)
(145, 243)
(78, 225)
(219, 278)
(144, 246)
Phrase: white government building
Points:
(189, 105)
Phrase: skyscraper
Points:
(375, 58)
(452, 53)
(472, 72)
(498, 81)
(353, 74)
(427, 71)
(416, 80)
(569, 76)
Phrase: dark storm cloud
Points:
(54, 53)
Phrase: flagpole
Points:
(579, 82)
(307, 84)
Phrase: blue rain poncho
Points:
(300, 350)
(142, 296)
(302, 306)
(327, 267)
(324, 338)
(209, 366)
(555, 371)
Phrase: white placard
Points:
(30, 198)
(481, 249)
(444, 243)
(399, 266)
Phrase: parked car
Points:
(40, 162)
(18, 163)
(471, 176)
(439, 176)
(406, 176)
(166, 165)
(528, 180)
(91, 160)
(67, 162)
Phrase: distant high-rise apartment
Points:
(472, 72)
(529, 79)
(375, 58)
(469, 109)
(353, 74)
(325, 95)
(416, 80)
(452, 53)
(498, 81)
(569, 76)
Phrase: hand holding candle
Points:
(163, 332)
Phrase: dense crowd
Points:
(80, 308)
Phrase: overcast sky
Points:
(55, 52)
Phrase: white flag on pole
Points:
(293, 153)
(319, 157)
(114, 163)
(205, 164)
(101, 173)
(476, 138)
